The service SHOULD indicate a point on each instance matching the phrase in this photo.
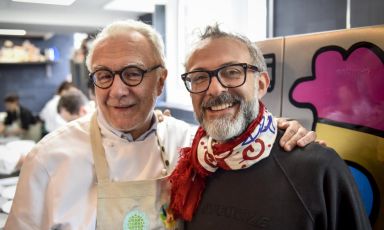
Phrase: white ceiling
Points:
(81, 16)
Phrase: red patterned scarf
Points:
(204, 157)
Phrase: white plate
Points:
(5, 182)
(21, 146)
(3, 219)
(9, 192)
(7, 207)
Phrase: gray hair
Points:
(122, 27)
(215, 32)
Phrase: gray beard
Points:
(226, 128)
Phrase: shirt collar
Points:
(127, 136)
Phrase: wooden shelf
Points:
(46, 64)
(26, 63)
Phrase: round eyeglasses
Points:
(130, 75)
(229, 76)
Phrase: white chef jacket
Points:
(52, 119)
(57, 186)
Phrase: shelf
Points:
(26, 63)
(47, 64)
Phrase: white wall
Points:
(185, 18)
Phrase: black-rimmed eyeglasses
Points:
(229, 76)
(130, 75)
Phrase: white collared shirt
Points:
(52, 119)
(127, 135)
(57, 182)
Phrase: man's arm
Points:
(29, 209)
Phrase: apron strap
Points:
(161, 131)
(101, 165)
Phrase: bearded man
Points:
(235, 175)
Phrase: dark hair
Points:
(65, 85)
(12, 98)
(72, 101)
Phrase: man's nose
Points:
(118, 86)
(215, 88)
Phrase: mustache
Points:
(221, 99)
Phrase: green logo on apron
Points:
(135, 220)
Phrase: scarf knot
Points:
(205, 156)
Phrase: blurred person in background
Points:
(18, 119)
(52, 120)
(73, 104)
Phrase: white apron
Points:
(127, 205)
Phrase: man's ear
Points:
(161, 81)
(83, 111)
(263, 81)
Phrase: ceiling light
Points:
(147, 6)
(12, 32)
(52, 2)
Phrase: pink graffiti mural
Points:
(347, 86)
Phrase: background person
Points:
(73, 104)
(48, 114)
(18, 119)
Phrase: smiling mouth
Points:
(220, 107)
(123, 106)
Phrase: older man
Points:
(108, 170)
(235, 176)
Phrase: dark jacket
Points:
(308, 188)
(26, 118)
